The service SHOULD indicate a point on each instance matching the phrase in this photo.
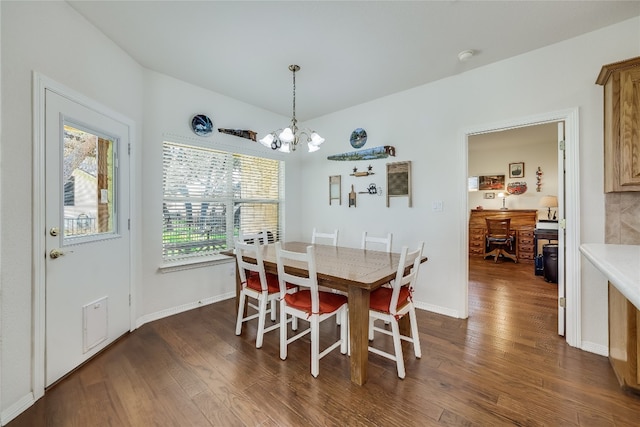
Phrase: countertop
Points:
(620, 264)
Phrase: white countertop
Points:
(620, 264)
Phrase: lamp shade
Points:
(549, 201)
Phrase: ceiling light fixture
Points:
(287, 139)
(465, 55)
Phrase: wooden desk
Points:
(355, 271)
(523, 224)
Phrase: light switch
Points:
(436, 206)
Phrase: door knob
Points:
(56, 253)
(54, 231)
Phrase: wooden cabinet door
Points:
(630, 127)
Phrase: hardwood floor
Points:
(504, 365)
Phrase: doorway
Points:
(567, 212)
(83, 283)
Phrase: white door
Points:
(87, 236)
(561, 230)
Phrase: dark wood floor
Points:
(504, 365)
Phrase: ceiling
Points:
(350, 52)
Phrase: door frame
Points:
(42, 83)
(573, 309)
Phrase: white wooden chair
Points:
(367, 240)
(308, 304)
(392, 303)
(259, 285)
(261, 237)
(333, 237)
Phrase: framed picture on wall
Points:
(489, 195)
(516, 170)
(491, 182)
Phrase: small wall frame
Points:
(399, 180)
(335, 189)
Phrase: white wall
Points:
(490, 161)
(426, 125)
(48, 37)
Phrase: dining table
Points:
(356, 272)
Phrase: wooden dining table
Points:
(354, 271)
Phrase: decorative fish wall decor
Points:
(381, 152)
(248, 134)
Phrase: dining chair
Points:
(309, 304)
(500, 238)
(259, 285)
(262, 237)
(331, 236)
(386, 241)
(390, 304)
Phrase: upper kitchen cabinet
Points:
(621, 81)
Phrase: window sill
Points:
(188, 264)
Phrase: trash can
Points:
(550, 261)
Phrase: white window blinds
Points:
(210, 195)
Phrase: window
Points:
(210, 195)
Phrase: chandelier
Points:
(287, 139)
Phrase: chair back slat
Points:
(386, 241)
(405, 279)
(308, 261)
(260, 237)
(254, 251)
(498, 227)
(333, 237)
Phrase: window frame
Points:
(230, 200)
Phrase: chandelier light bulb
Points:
(267, 140)
(312, 147)
(316, 139)
(284, 148)
(286, 135)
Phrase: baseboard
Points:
(16, 409)
(437, 309)
(181, 308)
(602, 350)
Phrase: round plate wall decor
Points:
(201, 125)
(358, 138)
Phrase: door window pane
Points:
(88, 183)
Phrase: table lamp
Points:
(549, 202)
(503, 196)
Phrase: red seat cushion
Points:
(329, 302)
(381, 299)
(253, 282)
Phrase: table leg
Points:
(359, 333)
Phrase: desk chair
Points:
(391, 304)
(332, 236)
(259, 285)
(499, 237)
(308, 304)
(386, 241)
